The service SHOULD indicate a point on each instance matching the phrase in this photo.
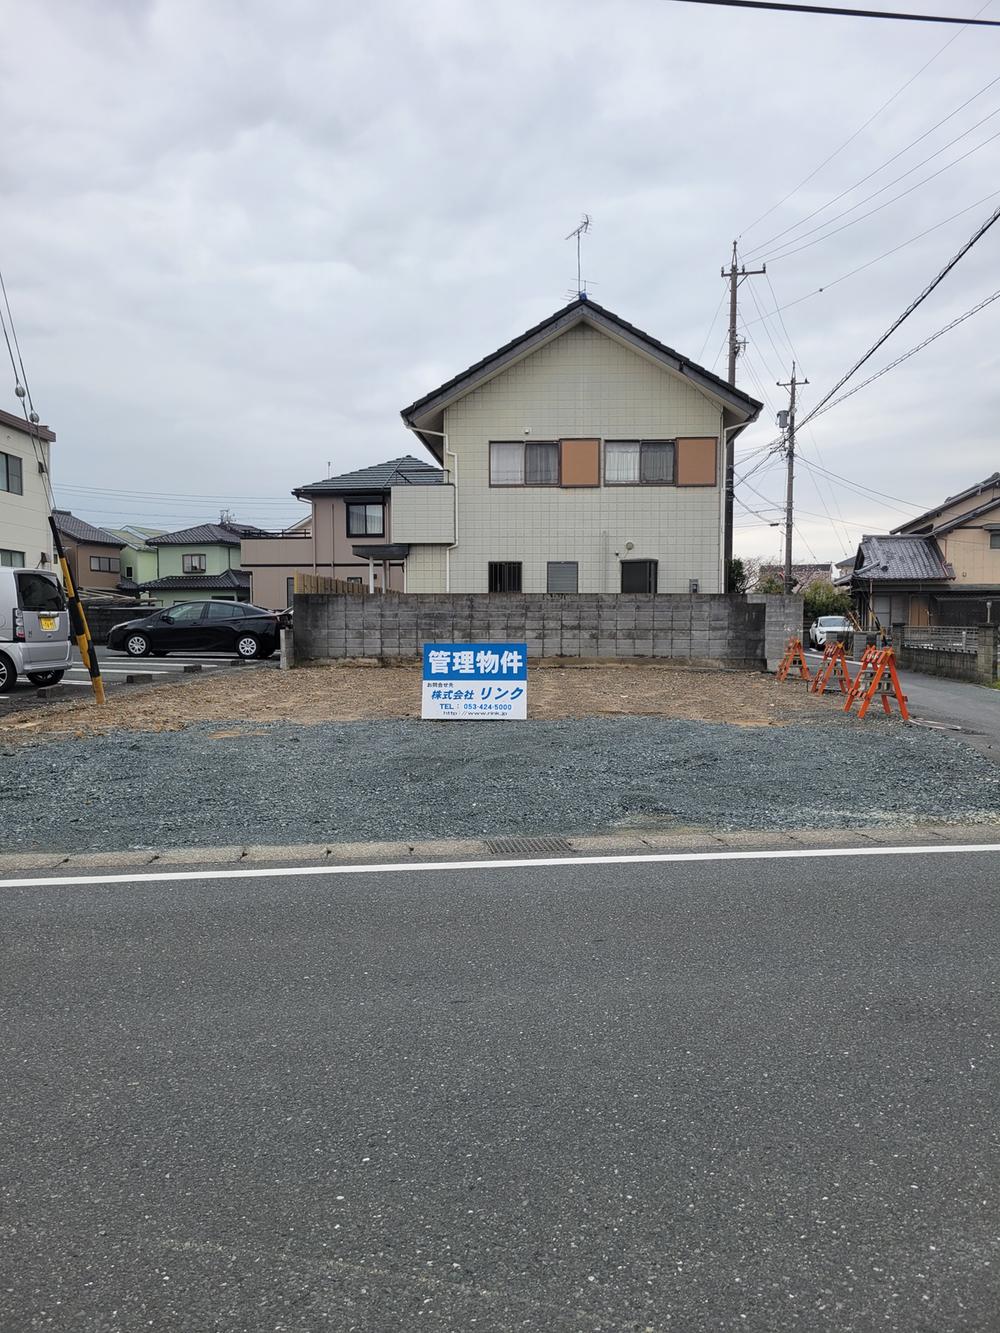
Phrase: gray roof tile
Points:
(78, 530)
(406, 471)
(901, 559)
(208, 534)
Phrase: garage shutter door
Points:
(562, 576)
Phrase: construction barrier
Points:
(877, 676)
(793, 654)
(832, 667)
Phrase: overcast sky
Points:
(238, 237)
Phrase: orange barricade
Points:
(877, 675)
(793, 654)
(834, 665)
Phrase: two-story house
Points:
(349, 534)
(25, 535)
(139, 560)
(583, 456)
(941, 568)
(93, 554)
(200, 564)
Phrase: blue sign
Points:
(475, 680)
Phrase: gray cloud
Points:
(239, 237)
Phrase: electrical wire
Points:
(878, 258)
(979, 233)
(912, 352)
(793, 226)
(797, 249)
(865, 492)
(846, 13)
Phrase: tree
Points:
(772, 584)
(823, 599)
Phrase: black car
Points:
(200, 627)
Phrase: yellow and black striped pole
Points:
(78, 618)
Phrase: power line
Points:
(796, 249)
(861, 128)
(913, 350)
(859, 487)
(888, 162)
(935, 282)
(878, 258)
(848, 13)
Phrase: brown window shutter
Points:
(581, 462)
(696, 462)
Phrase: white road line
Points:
(414, 867)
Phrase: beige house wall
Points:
(583, 384)
(968, 551)
(24, 522)
(78, 557)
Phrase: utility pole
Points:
(789, 424)
(735, 273)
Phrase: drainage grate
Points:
(529, 846)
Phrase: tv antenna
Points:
(579, 233)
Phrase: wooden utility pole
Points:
(735, 273)
(790, 482)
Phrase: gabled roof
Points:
(406, 471)
(208, 534)
(424, 413)
(229, 579)
(134, 537)
(78, 530)
(901, 560)
(991, 483)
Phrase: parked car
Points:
(829, 627)
(34, 628)
(200, 627)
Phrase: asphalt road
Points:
(717, 1095)
(971, 711)
(116, 666)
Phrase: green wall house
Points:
(200, 564)
(139, 561)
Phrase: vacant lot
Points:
(354, 694)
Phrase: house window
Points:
(11, 477)
(366, 520)
(515, 463)
(995, 541)
(355, 579)
(561, 576)
(11, 559)
(128, 571)
(105, 564)
(505, 576)
(193, 564)
(289, 590)
(639, 575)
(639, 462)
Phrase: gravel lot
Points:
(399, 779)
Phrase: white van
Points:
(34, 628)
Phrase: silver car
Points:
(34, 628)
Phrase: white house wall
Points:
(24, 524)
(583, 384)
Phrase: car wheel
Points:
(247, 645)
(45, 677)
(137, 645)
(8, 674)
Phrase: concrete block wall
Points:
(102, 618)
(611, 625)
(783, 617)
(979, 668)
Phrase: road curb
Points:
(624, 842)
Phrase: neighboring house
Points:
(942, 568)
(139, 560)
(25, 535)
(583, 456)
(348, 535)
(200, 564)
(802, 575)
(93, 554)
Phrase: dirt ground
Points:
(346, 693)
